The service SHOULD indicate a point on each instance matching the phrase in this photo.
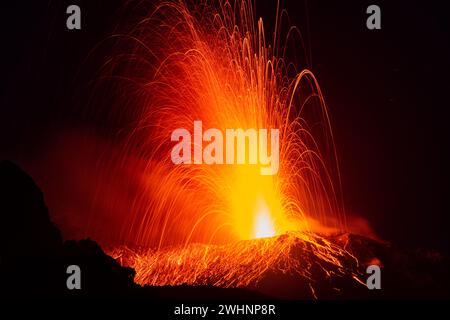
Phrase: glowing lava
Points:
(194, 61)
(305, 258)
(263, 223)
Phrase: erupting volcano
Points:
(185, 150)
(199, 222)
(186, 63)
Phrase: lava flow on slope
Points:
(293, 265)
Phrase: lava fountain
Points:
(220, 224)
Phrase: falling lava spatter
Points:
(223, 225)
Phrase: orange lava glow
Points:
(303, 256)
(198, 61)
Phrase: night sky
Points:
(387, 91)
